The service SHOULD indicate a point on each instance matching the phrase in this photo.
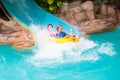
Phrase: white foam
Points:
(47, 53)
(107, 48)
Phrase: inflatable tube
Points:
(64, 40)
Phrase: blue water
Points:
(100, 62)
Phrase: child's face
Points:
(60, 29)
(50, 27)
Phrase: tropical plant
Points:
(51, 5)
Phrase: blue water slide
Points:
(27, 12)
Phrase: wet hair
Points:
(50, 25)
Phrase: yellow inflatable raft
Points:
(64, 40)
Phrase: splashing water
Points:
(47, 53)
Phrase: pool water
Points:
(96, 58)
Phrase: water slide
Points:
(27, 12)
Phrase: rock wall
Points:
(17, 36)
(84, 17)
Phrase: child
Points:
(50, 30)
(59, 33)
